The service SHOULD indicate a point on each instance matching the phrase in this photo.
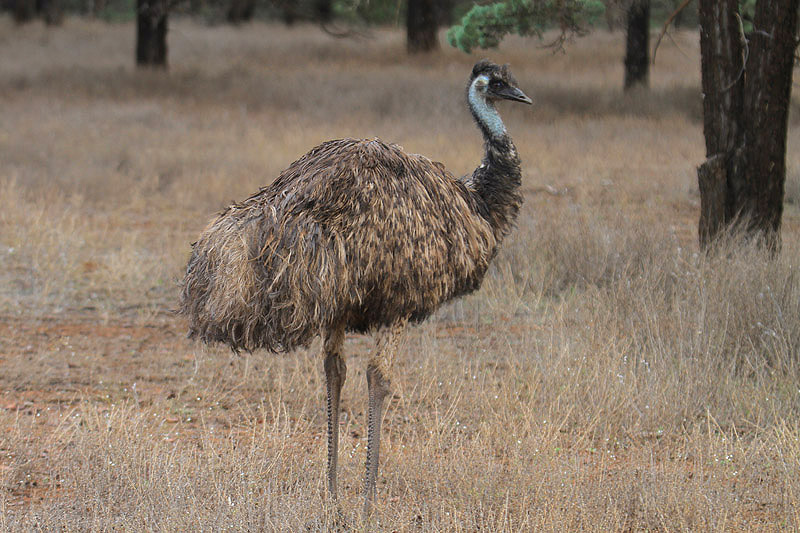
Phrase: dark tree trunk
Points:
(421, 26)
(290, 15)
(97, 7)
(745, 113)
(637, 59)
(240, 11)
(444, 12)
(26, 10)
(51, 11)
(323, 10)
(151, 33)
(23, 10)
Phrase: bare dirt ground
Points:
(606, 377)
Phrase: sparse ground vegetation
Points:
(607, 377)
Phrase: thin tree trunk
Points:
(23, 10)
(323, 10)
(745, 113)
(51, 11)
(151, 33)
(637, 58)
(444, 12)
(421, 26)
(97, 7)
(240, 11)
(26, 10)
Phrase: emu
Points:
(356, 236)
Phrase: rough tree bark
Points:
(421, 26)
(637, 58)
(151, 33)
(746, 86)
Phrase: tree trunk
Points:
(289, 10)
(26, 10)
(723, 85)
(745, 114)
(151, 33)
(323, 10)
(444, 12)
(240, 11)
(637, 59)
(23, 10)
(51, 11)
(421, 26)
(97, 7)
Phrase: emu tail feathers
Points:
(256, 284)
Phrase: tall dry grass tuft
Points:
(663, 334)
(59, 253)
(41, 243)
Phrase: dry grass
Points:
(605, 378)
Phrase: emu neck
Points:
(485, 114)
(497, 180)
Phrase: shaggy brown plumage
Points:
(356, 235)
(354, 232)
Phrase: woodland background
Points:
(608, 376)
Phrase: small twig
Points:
(667, 24)
(557, 44)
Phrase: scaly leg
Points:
(378, 389)
(335, 374)
(378, 385)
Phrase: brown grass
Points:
(605, 378)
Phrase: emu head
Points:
(495, 82)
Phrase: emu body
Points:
(356, 235)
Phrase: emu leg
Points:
(335, 374)
(378, 389)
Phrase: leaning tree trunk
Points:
(421, 26)
(745, 113)
(637, 60)
(151, 33)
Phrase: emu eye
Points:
(495, 84)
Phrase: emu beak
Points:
(514, 94)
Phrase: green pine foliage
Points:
(484, 26)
